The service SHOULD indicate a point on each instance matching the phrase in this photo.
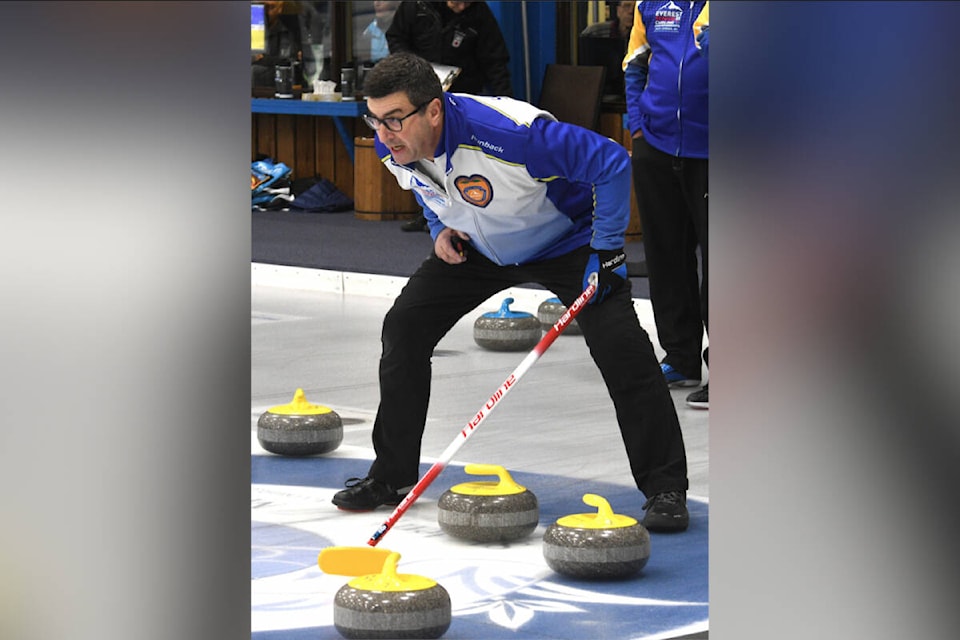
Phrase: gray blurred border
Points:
(125, 454)
(834, 446)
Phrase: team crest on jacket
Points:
(475, 189)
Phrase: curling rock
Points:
(299, 428)
(596, 545)
(507, 330)
(392, 605)
(550, 311)
(486, 511)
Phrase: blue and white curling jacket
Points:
(523, 186)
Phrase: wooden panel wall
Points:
(309, 145)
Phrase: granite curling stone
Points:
(486, 511)
(550, 311)
(507, 330)
(299, 428)
(596, 545)
(389, 604)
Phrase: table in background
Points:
(336, 110)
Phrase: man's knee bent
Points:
(405, 334)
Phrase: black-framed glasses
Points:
(392, 124)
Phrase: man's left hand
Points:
(610, 265)
(451, 246)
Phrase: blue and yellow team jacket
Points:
(669, 102)
(522, 185)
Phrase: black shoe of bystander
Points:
(700, 399)
(417, 224)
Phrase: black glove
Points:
(610, 265)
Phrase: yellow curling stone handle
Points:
(505, 486)
(389, 580)
(605, 518)
(299, 407)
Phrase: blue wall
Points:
(541, 27)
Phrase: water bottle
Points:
(283, 81)
(347, 84)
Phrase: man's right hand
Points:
(451, 246)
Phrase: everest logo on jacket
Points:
(668, 18)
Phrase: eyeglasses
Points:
(392, 124)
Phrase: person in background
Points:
(512, 196)
(283, 43)
(373, 39)
(666, 76)
(604, 44)
(459, 34)
(618, 26)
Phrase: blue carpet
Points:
(343, 242)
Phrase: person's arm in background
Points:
(635, 79)
(399, 35)
(492, 53)
(701, 30)
(416, 28)
(635, 68)
(703, 40)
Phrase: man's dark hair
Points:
(404, 72)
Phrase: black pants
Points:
(440, 294)
(672, 198)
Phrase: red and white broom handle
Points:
(562, 323)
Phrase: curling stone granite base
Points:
(596, 553)
(550, 311)
(300, 435)
(507, 334)
(361, 613)
(488, 518)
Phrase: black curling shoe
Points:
(667, 512)
(366, 494)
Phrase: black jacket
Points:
(283, 45)
(470, 40)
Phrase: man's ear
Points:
(434, 110)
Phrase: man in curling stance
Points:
(511, 196)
